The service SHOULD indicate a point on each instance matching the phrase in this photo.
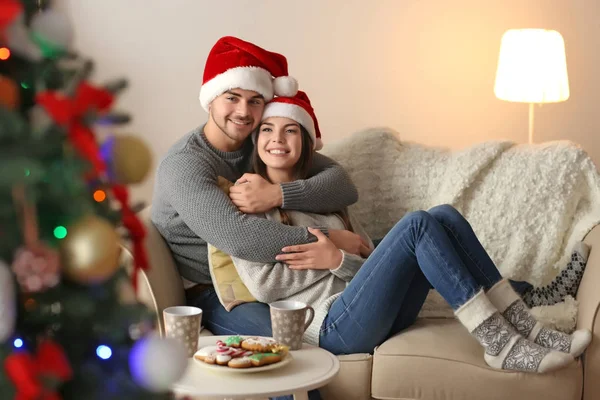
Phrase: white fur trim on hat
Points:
(292, 111)
(285, 86)
(247, 78)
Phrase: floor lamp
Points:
(532, 68)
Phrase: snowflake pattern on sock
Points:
(493, 334)
(520, 318)
(554, 340)
(565, 284)
(525, 356)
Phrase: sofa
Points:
(436, 358)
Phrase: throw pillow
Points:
(229, 287)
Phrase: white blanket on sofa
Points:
(528, 204)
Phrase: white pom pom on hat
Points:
(285, 86)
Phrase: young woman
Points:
(359, 302)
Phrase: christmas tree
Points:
(70, 324)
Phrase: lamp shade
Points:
(532, 67)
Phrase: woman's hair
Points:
(300, 171)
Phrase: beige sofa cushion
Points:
(438, 359)
(354, 380)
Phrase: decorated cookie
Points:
(280, 349)
(260, 359)
(233, 341)
(223, 359)
(207, 352)
(259, 345)
(210, 359)
(241, 362)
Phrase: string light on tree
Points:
(104, 352)
(60, 232)
(4, 53)
(99, 196)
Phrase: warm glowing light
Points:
(4, 53)
(532, 67)
(99, 195)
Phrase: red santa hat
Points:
(236, 64)
(297, 108)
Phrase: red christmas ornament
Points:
(28, 372)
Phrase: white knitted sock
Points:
(504, 347)
(512, 307)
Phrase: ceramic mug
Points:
(183, 323)
(289, 322)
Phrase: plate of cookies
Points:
(239, 354)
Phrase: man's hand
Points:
(252, 194)
(322, 254)
(350, 242)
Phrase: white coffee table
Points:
(311, 368)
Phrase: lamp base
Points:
(531, 105)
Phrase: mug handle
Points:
(311, 315)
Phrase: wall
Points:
(423, 67)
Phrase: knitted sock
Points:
(504, 347)
(565, 284)
(508, 302)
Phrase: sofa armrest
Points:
(161, 286)
(588, 297)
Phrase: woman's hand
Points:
(322, 254)
(350, 242)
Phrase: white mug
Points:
(289, 322)
(183, 323)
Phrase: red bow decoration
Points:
(136, 230)
(69, 112)
(9, 10)
(27, 371)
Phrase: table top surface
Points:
(311, 368)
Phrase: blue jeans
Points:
(424, 249)
(246, 319)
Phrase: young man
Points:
(189, 209)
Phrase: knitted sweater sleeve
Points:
(328, 189)
(192, 189)
(275, 281)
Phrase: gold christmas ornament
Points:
(131, 159)
(9, 93)
(90, 251)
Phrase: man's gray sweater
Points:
(189, 209)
